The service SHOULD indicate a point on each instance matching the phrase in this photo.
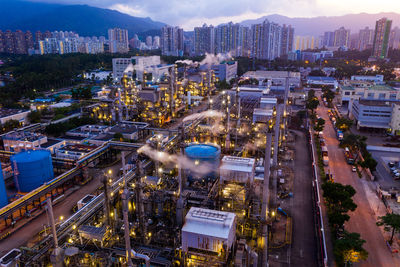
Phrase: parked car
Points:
(353, 169)
(391, 164)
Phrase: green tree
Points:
(339, 196)
(119, 136)
(34, 116)
(319, 126)
(329, 95)
(390, 222)
(369, 162)
(312, 104)
(317, 72)
(343, 123)
(349, 249)
(339, 200)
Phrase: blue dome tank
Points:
(204, 153)
(3, 192)
(32, 169)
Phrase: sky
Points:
(191, 13)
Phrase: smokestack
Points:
(139, 199)
(56, 257)
(125, 199)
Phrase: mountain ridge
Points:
(82, 19)
(318, 25)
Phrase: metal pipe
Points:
(125, 198)
(52, 222)
(254, 256)
(141, 256)
(265, 199)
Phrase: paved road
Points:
(25, 236)
(304, 246)
(363, 219)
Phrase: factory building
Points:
(209, 235)
(17, 141)
(7, 114)
(237, 169)
(135, 67)
(74, 152)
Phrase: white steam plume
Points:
(204, 114)
(188, 62)
(212, 59)
(180, 161)
(130, 68)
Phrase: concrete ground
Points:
(28, 233)
(382, 173)
(303, 250)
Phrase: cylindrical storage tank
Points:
(204, 153)
(3, 192)
(32, 169)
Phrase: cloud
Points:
(191, 13)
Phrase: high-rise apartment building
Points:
(119, 42)
(266, 41)
(287, 39)
(30, 42)
(381, 39)
(20, 43)
(171, 41)
(394, 39)
(204, 39)
(9, 43)
(329, 39)
(365, 39)
(156, 42)
(2, 49)
(149, 41)
(342, 37)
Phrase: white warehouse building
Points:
(209, 233)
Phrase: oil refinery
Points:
(178, 174)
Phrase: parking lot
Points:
(383, 173)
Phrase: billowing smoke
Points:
(216, 128)
(188, 62)
(130, 68)
(212, 59)
(203, 115)
(173, 161)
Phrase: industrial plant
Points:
(178, 173)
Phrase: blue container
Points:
(204, 153)
(3, 192)
(32, 169)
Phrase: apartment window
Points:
(382, 96)
(346, 93)
(370, 95)
(392, 96)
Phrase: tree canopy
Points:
(390, 222)
(349, 249)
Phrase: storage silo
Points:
(204, 153)
(3, 192)
(32, 169)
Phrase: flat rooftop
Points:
(6, 112)
(78, 148)
(23, 136)
(50, 142)
(209, 222)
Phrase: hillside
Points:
(83, 19)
